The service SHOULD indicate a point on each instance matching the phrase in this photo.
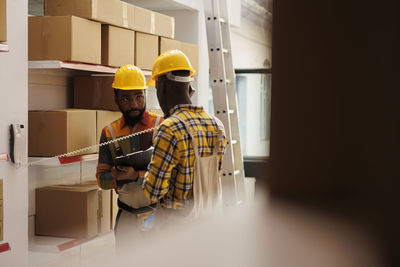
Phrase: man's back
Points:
(170, 177)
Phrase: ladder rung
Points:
(222, 20)
(225, 50)
(236, 172)
(233, 142)
(228, 81)
(231, 111)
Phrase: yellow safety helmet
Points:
(170, 61)
(129, 77)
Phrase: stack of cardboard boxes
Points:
(3, 21)
(107, 32)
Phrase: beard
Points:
(132, 120)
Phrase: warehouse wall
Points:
(14, 109)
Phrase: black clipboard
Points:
(139, 160)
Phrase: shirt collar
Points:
(186, 107)
(144, 121)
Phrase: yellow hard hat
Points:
(129, 77)
(170, 61)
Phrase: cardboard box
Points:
(1, 188)
(146, 50)
(104, 118)
(143, 20)
(112, 12)
(190, 50)
(57, 132)
(1, 209)
(74, 211)
(117, 46)
(3, 20)
(164, 25)
(1, 230)
(64, 38)
(94, 92)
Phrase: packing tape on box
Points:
(152, 22)
(173, 28)
(125, 14)
(94, 9)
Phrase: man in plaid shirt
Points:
(170, 175)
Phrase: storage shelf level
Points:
(57, 64)
(3, 47)
(43, 161)
(51, 244)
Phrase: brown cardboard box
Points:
(164, 25)
(1, 209)
(1, 188)
(94, 92)
(104, 118)
(112, 12)
(3, 20)
(64, 38)
(75, 211)
(59, 131)
(169, 44)
(1, 230)
(146, 50)
(143, 20)
(191, 50)
(117, 46)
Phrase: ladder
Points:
(222, 76)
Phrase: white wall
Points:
(14, 109)
(251, 47)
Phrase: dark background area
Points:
(335, 112)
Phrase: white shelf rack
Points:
(4, 47)
(58, 64)
(43, 161)
(49, 244)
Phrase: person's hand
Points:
(124, 173)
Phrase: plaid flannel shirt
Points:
(170, 175)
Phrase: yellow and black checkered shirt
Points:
(170, 175)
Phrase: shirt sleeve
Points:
(165, 158)
(103, 172)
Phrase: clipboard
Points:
(139, 160)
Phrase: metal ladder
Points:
(222, 75)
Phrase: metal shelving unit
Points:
(43, 161)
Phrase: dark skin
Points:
(132, 104)
(171, 93)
